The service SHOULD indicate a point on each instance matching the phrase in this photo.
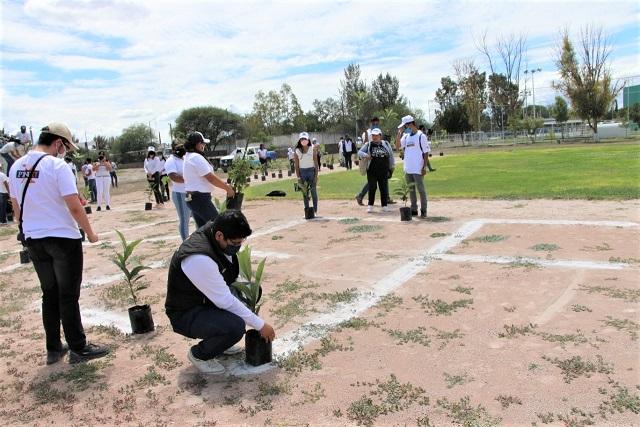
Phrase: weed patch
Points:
(416, 336)
(439, 307)
(151, 378)
(436, 235)
(462, 290)
(547, 247)
(365, 228)
(346, 221)
(489, 238)
(513, 331)
(626, 325)
(627, 294)
(388, 303)
(575, 367)
(464, 414)
(454, 380)
(619, 400)
(579, 308)
(506, 401)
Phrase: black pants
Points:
(378, 177)
(155, 183)
(218, 329)
(4, 205)
(201, 207)
(347, 160)
(114, 179)
(58, 263)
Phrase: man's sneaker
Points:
(234, 349)
(108, 208)
(211, 366)
(90, 351)
(359, 200)
(98, 209)
(369, 209)
(55, 356)
(423, 215)
(414, 213)
(386, 209)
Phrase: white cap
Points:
(405, 120)
(376, 131)
(303, 135)
(150, 149)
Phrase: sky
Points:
(102, 65)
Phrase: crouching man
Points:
(201, 303)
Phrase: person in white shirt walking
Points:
(264, 160)
(90, 179)
(4, 197)
(174, 167)
(416, 153)
(199, 180)
(102, 169)
(201, 302)
(114, 174)
(46, 201)
(153, 167)
(164, 182)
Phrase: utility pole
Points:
(526, 95)
(533, 88)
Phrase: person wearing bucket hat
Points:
(416, 153)
(153, 167)
(200, 181)
(45, 199)
(306, 164)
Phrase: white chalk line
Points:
(495, 259)
(12, 267)
(623, 224)
(98, 317)
(562, 301)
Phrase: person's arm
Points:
(107, 165)
(425, 156)
(399, 138)
(316, 160)
(78, 213)
(296, 163)
(7, 187)
(173, 176)
(364, 151)
(214, 180)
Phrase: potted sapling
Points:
(139, 315)
(149, 192)
(257, 349)
(221, 205)
(280, 173)
(403, 192)
(330, 164)
(240, 174)
(86, 194)
(305, 188)
(164, 183)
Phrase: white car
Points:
(252, 155)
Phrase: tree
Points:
(560, 110)
(279, 112)
(502, 98)
(327, 113)
(585, 78)
(452, 115)
(472, 83)
(355, 106)
(386, 91)
(214, 123)
(135, 138)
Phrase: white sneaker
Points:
(386, 209)
(234, 349)
(369, 209)
(211, 366)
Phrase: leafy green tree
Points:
(472, 83)
(585, 77)
(278, 111)
(215, 123)
(134, 140)
(502, 98)
(452, 115)
(560, 112)
(386, 91)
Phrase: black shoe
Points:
(359, 200)
(55, 356)
(423, 215)
(108, 208)
(414, 213)
(432, 170)
(98, 209)
(90, 351)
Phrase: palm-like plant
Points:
(249, 283)
(403, 190)
(221, 205)
(122, 261)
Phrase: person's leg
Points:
(371, 182)
(218, 329)
(364, 191)
(314, 191)
(383, 184)
(156, 188)
(111, 176)
(200, 221)
(419, 179)
(107, 190)
(412, 193)
(100, 191)
(115, 176)
(183, 216)
(206, 210)
(94, 190)
(305, 176)
(3, 208)
(9, 161)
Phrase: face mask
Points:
(179, 152)
(231, 249)
(376, 126)
(64, 152)
(407, 130)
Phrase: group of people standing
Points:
(99, 176)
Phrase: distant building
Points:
(631, 96)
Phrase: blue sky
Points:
(101, 65)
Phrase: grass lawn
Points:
(610, 171)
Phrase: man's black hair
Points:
(233, 224)
(375, 119)
(88, 160)
(68, 159)
(47, 139)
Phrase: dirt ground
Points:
(491, 313)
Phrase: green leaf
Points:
(136, 270)
(259, 271)
(244, 262)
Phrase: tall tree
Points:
(585, 77)
(386, 91)
(452, 115)
(279, 112)
(136, 137)
(350, 87)
(472, 84)
(214, 123)
(560, 111)
(503, 99)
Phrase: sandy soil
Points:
(465, 320)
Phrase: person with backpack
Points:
(366, 137)
(46, 202)
(416, 153)
(378, 157)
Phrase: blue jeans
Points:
(202, 208)
(309, 175)
(94, 190)
(9, 161)
(184, 213)
(218, 329)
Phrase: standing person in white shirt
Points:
(164, 184)
(348, 148)
(90, 179)
(290, 155)
(4, 197)
(416, 153)
(201, 302)
(114, 174)
(12, 151)
(102, 169)
(50, 214)
(307, 168)
(174, 168)
(153, 167)
(199, 180)
(24, 137)
(262, 157)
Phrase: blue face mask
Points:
(231, 249)
(376, 126)
(407, 130)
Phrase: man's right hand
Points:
(267, 332)
(93, 237)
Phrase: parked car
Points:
(252, 155)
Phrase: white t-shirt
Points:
(3, 178)
(45, 213)
(414, 146)
(205, 275)
(25, 138)
(102, 171)
(262, 153)
(74, 171)
(9, 147)
(87, 171)
(290, 153)
(152, 166)
(175, 165)
(194, 170)
(162, 163)
(306, 159)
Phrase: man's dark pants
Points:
(218, 329)
(58, 263)
(348, 163)
(202, 208)
(4, 204)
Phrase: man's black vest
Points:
(182, 294)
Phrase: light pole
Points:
(533, 88)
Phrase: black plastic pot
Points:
(257, 350)
(324, 165)
(289, 173)
(309, 213)
(9, 217)
(141, 319)
(280, 175)
(235, 202)
(82, 234)
(405, 214)
(255, 176)
(441, 154)
(357, 162)
(330, 167)
(24, 257)
(224, 170)
(273, 174)
(264, 178)
(430, 155)
(87, 210)
(248, 180)
(148, 206)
